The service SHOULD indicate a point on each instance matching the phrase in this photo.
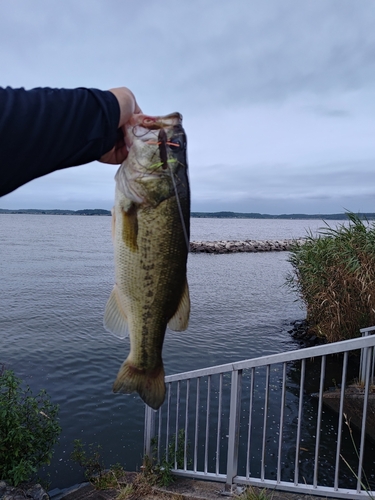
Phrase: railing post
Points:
(234, 427)
(367, 354)
(149, 431)
(363, 360)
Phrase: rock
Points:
(3, 486)
(225, 246)
(36, 492)
(22, 492)
(301, 333)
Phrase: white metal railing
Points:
(362, 367)
(264, 422)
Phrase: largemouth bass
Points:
(150, 229)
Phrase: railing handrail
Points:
(322, 350)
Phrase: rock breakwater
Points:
(22, 492)
(244, 246)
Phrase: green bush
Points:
(334, 275)
(91, 461)
(28, 429)
(161, 472)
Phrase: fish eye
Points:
(176, 144)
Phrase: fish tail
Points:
(150, 385)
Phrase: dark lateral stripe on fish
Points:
(162, 137)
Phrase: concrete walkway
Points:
(181, 489)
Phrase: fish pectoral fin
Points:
(130, 227)
(180, 320)
(115, 320)
(150, 385)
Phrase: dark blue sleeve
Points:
(43, 130)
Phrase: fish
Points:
(150, 231)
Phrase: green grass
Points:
(334, 275)
(255, 494)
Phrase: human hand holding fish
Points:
(128, 106)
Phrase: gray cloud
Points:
(330, 112)
(203, 51)
(300, 185)
(273, 50)
(277, 96)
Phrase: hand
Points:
(128, 107)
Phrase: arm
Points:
(43, 130)
(128, 106)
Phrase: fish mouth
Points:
(159, 122)
(140, 125)
(151, 129)
(147, 122)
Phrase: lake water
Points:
(56, 275)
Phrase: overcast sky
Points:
(278, 96)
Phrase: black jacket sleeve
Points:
(43, 130)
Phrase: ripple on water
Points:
(57, 275)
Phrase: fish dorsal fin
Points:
(180, 319)
(115, 320)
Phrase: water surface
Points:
(57, 273)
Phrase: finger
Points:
(137, 109)
(116, 155)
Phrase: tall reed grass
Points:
(334, 274)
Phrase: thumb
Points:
(127, 103)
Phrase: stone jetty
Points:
(243, 246)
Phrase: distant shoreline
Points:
(194, 215)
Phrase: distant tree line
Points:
(254, 215)
(197, 215)
(34, 211)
